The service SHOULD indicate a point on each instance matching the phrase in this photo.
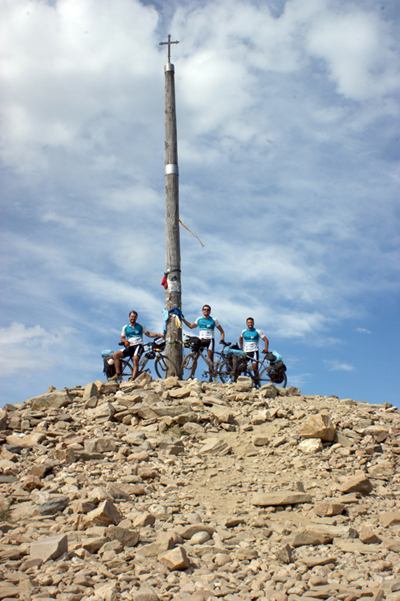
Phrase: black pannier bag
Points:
(158, 344)
(194, 343)
(237, 363)
(241, 364)
(276, 372)
(108, 369)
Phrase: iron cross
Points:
(169, 46)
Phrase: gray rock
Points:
(49, 548)
(105, 411)
(280, 498)
(368, 536)
(389, 518)
(175, 559)
(215, 446)
(244, 384)
(359, 484)
(328, 508)
(90, 391)
(54, 505)
(311, 537)
(128, 538)
(260, 441)
(100, 445)
(27, 441)
(311, 446)
(284, 554)
(105, 514)
(318, 426)
(145, 594)
(56, 399)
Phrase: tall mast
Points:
(173, 292)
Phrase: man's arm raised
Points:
(151, 335)
(189, 325)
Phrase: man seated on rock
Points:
(132, 337)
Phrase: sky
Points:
(289, 146)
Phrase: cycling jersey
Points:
(251, 338)
(134, 335)
(206, 327)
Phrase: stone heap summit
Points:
(185, 490)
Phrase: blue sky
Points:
(289, 148)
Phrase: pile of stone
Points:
(176, 490)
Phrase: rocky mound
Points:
(174, 490)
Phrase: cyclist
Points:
(250, 337)
(132, 337)
(207, 325)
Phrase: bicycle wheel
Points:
(189, 365)
(283, 384)
(162, 364)
(265, 379)
(224, 372)
(249, 373)
(126, 368)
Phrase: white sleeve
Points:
(197, 321)
(123, 332)
(260, 333)
(216, 322)
(144, 329)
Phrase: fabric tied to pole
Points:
(178, 317)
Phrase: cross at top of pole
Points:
(169, 46)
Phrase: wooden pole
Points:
(173, 293)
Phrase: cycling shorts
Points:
(253, 355)
(134, 350)
(208, 343)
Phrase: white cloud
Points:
(336, 365)
(363, 331)
(287, 126)
(25, 349)
(68, 64)
(358, 58)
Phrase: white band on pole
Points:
(169, 67)
(171, 169)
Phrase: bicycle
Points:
(152, 350)
(230, 368)
(189, 363)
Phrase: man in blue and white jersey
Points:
(250, 337)
(207, 325)
(132, 337)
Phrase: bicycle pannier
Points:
(237, 362)
(192, 342)
(109, 369)
(241, 363)
(158, 344)
(277, 372)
